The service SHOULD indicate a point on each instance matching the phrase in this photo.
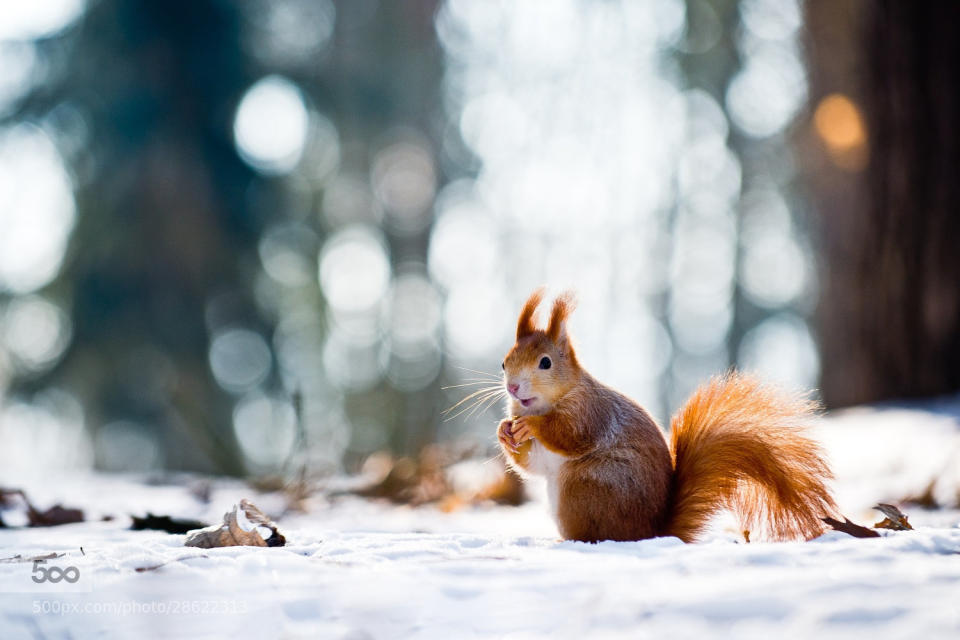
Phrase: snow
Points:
(360, 569)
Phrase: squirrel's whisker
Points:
(492, 400)
(475, 407)
(482, 373)
(465, 384)
(472, 405)
(483, 407)
(471, 396)
(478, 400)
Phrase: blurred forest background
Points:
(247, 236)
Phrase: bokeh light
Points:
(415, 319)
(774, 270)
(54, 424)
(354, 270)
(271, 125)
(404, 180)
(266, 430)
(38, 209)
(286, 251)
(288, 32)
(464, 242)
(34, 331)
(37, 19)
(839, 123)
(240, 359)
(782, 350)
(771, 19)
(352, 365)
(764, 97)
(415, 313)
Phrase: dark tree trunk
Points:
(890, 310)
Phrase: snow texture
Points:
(357, 569)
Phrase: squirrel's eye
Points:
(503, 365)
(545, 362)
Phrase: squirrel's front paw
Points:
(505, 435)
(521, 430)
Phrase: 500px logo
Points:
(48, 573)
(53, 573)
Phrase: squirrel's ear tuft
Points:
(563, 306)
(525, 325)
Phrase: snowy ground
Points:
(357, 569)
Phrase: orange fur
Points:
(519, 459)
(563, 306)
(736, 444)
(740, 445)
(525, 324)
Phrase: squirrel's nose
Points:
(512, 388)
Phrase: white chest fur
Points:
(547, 463)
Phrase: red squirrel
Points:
(736, 444)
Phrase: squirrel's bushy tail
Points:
(740, 445)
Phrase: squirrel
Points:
(737, 444)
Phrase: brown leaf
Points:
(851, 528)
(232, 534)
(55, 515)
(507, 490)
(399, 484)
(415, 481)
(895, 519)
(924, 499)
(6, 494)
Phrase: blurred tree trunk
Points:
(164, 223)
(890, 310)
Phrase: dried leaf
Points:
(232, 534)
(55, 515)
(925, 499)
(416, 481)
(6, 494)
(408, 481)
(152, 567)
(165, 523)
(507, 490)
(895, 519)
(19, 558)
(851, 528)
